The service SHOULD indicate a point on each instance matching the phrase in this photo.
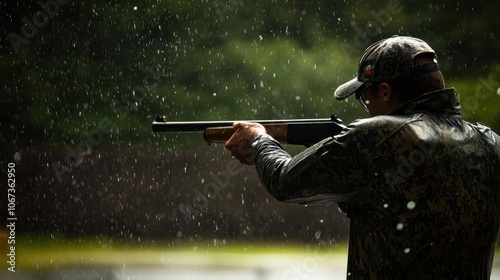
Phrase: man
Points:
(420, 185)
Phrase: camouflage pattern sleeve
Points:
(323, 173)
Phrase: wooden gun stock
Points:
(222, 134)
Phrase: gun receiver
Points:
(294, 131)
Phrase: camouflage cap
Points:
(387, 60)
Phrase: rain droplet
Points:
(400, 226)
(386, 205)
(407, 250)
(411, 205)
(317, 235)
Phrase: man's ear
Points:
(385, 91)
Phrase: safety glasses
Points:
(360, 96)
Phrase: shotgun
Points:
(293, 131)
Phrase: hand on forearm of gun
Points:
(240, 143)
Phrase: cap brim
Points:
(347, 89)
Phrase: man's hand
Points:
(240, 144)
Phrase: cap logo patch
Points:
(368, 71)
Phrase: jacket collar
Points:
(439, 102)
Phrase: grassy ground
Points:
(41, 253)
(33, 253)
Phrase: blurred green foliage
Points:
(220, 59)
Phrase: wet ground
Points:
(284, 269)
(201, 266)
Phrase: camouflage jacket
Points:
(422, 187)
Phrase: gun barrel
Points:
(197, 126)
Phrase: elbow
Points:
(277, 191)
(280, 198)
(282, 193)
(277, 194)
